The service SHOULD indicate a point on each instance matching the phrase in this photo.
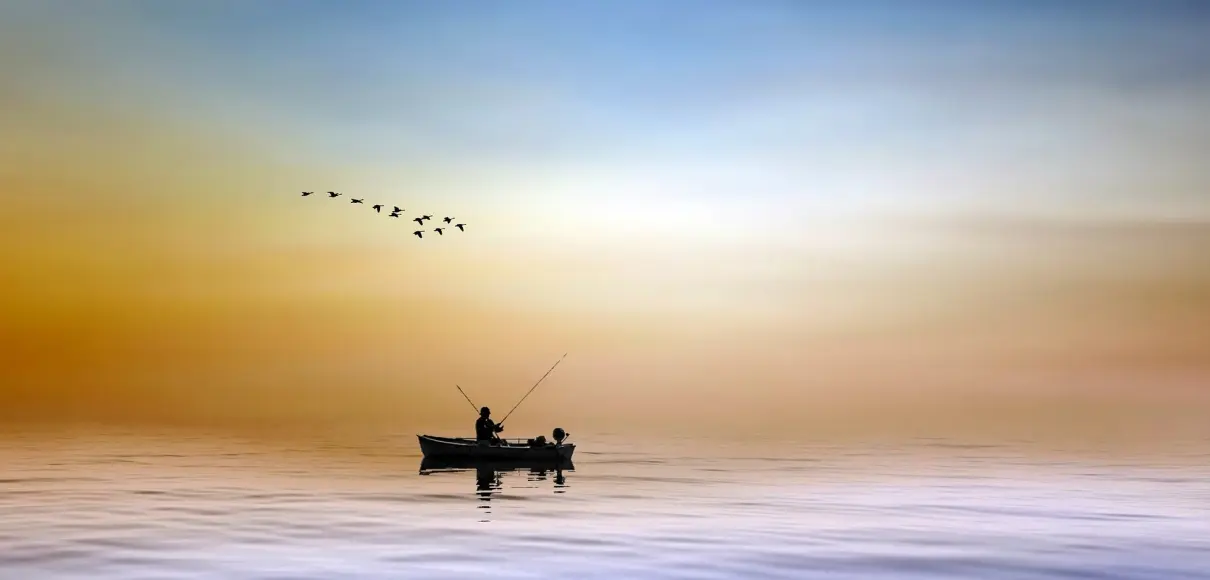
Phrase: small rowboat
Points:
(508, 449)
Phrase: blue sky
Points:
(929, 102)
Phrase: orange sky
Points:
(159, 267)
(202, 294)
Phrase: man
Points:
(485, 429)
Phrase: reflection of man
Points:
(485, 429)
(486, 479)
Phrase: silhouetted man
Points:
(485, 429)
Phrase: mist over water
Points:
(103, 503)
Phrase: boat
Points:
(433, 446)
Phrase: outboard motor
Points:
(559, 435)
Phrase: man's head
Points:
(485, 412)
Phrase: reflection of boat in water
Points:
(442, 464)
(488, 480)
(487, 471)
(506, 449)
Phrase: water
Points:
(109, 505)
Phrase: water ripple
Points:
(163, 507)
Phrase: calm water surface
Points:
(110, 505)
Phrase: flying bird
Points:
(377, 207)
(439, 231)
(355, 200)
(418, 220)
(394, 215)
(332, 194)
(306, 193)
(398, 209)
(419, 234)
(426, 217)
(461, 227)
(448, 220)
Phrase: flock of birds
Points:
(395, 213)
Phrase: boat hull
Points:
(461, 448)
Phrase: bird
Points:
(377, 207)
(419, 234)
(394, 215)
(306, 193)
(439, 231)
(332, 194)
(461, 227)
(426, 217)
(355, 200)
(448, 220)
(418, 220)
(398, 209)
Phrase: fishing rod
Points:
(531, 389)
(468, 399)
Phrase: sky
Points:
(751, 216)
